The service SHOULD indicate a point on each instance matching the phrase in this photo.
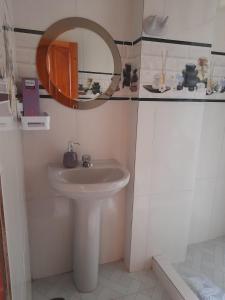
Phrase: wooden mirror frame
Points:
(51, 35)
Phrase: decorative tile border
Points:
(179, 54)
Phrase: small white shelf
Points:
(36, 122)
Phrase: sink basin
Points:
(88, 188)
(102, 180)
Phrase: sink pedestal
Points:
(88, 188)
(87, 215)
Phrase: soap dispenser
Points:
(70, 159)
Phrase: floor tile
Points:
(115, 283)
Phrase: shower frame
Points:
(5, 283)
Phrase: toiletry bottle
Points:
(70, 159)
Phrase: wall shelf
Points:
(41, 122)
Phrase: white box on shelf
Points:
(41, 122)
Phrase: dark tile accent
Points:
(137, 40)
(123, 43)
(168, 41)
(30, 31)
(175, 100)
(217, 53)
(100, 73)
(45, 96)
(111, 98)
(119, 98)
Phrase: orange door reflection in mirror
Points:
(62, 66)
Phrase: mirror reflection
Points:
(80, 64)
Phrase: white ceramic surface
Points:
(105, 126)
(88, 187)
(11, 174)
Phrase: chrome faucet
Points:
(86, 161)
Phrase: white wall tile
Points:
(177, 132)
(144, 147)
(44, 13)
(203, 203)
(218, 43)
(195, 52)
(140, 226)
(113, 229)
(188, 21)
(169, 221)
(217, 219)
(166, 156)
(169, 154)
(208, 205)
(211, 140)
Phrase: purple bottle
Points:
(30, 91)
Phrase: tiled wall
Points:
(185, 39)
(209, 195)
(166, 155)
(179, 179)
(207, 220)
(102, 132)
(164, 142)
(12, 178)
(191, 20)
(178, 57)
(179, 195)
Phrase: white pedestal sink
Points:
(88, 187)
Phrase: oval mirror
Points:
(78, 63)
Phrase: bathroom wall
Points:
(188, 21)
(12, 179)
(166, 155)
(209, 196)
(187, 36)
(179, 170)
(163, 143)
(102, 132)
